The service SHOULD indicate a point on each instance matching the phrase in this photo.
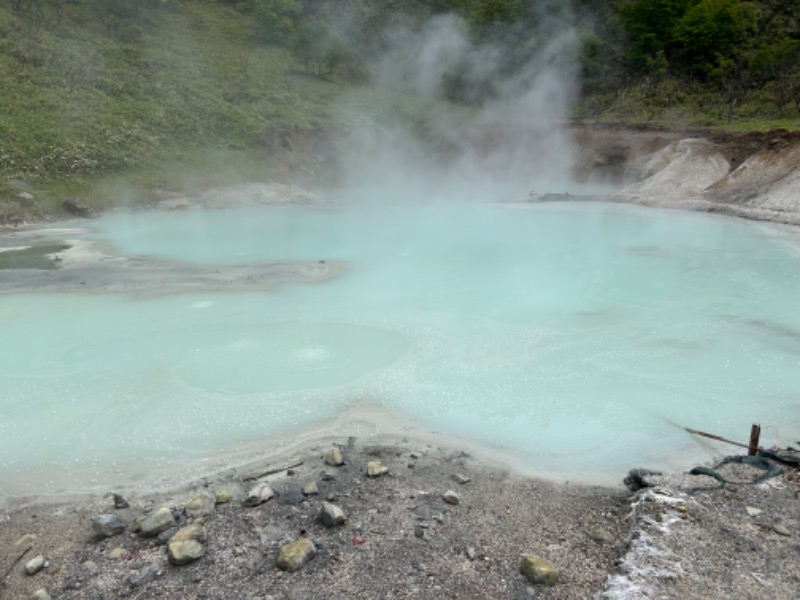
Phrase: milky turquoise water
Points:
(571, 336)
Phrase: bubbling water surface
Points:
(573, 336)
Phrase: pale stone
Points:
(25, 540)
(451, 497)
(223, 497)
(601, 536)
(34, 565)
(331, 515)
(118, 553)
(40, 594)
(334, 458)
(184, 551)
(752, 511)
(195, 531)
(293, 556)
(90, 566)
(375, 469)
(159, 521)
(200, 506)
(538, 571)
(258, 494)
(187, 544)
(310, 488)
(780, 529)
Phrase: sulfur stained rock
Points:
(538, 571)
(294, 556)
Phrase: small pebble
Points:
(451, 497)
(375, 468)
(780, 529)
(334, 458)
(34, 565)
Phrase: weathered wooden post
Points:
(755, 434)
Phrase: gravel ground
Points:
(401, 539)
(687, 538)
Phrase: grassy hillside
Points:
(84, 95)
(102, 97)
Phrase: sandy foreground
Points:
(403, 534)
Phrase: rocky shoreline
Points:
(400, 518)
(407, 518)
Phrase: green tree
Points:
(777, 67)
(711, 29)
(649, 25)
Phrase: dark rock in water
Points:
(120, 502)
(106, 526)
(75, 207)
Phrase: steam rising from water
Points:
(508, 140)
(568, 334)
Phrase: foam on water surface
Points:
(572, 336)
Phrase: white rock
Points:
(34, 565)
(258, 494)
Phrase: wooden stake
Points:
(716, 437)
(755, 434)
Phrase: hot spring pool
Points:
(572, 336)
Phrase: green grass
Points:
(181, 98)
(83, 104)
(674, 105)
